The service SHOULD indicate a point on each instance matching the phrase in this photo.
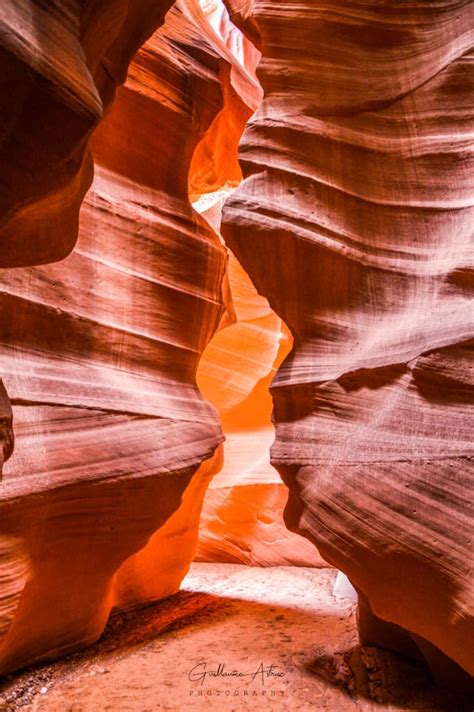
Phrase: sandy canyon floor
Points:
(291, 644)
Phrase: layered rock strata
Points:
(61, 63)
(355, 222)
(114, 444)
(241, 519)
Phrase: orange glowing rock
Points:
(354, 221)
(215, 161)
(242, 515)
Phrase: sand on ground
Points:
(234, 638)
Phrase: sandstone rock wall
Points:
(355, 222)
(115, 446)
(61, 63)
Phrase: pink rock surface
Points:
(355, 221)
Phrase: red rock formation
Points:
(241, 14)
(61, 62)
(99, 355)
(241, 518)
(354, 221)
(215, 161)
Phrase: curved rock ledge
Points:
(61, 64)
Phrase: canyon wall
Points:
(355, 222)
(100, 500)
(61, 63)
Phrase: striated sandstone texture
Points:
(215, 161)
(242, 514)
(355, 222)
(114, 444)
(61, 62)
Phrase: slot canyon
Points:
(236, 371)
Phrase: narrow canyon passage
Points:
(99, 367)
(235, 355)
(242, 515)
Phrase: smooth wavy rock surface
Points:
(242, 513)
(115, 446)
(355, 222)
(61, 62)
